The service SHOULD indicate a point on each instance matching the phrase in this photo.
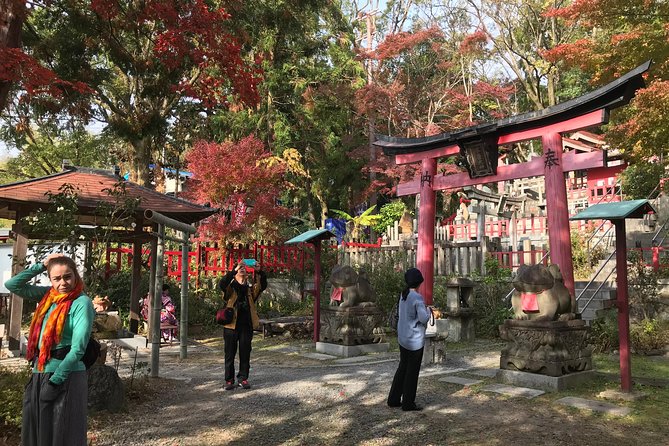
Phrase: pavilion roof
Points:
(610, 96)
(92, 187)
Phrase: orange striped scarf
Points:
(54, 325)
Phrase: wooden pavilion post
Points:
(136, 280)
(317, 290)
(556, 208)
(426, 218)
(19, 252)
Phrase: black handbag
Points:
(225, 315)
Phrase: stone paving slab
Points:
(523, 392)
(364, 359)
(460, 380)
(319, 356)
(612, 394)
(597, 406)
(424, 373)
(486, 373)
(289, 349)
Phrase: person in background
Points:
(242, 296)
(56, 398)
(413, 318)
(167, 312)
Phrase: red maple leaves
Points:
(242, 179)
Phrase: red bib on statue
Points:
(528, 302)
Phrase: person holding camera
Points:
(413, 318)
(241, 296)
(55, 400)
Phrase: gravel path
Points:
(301, 401)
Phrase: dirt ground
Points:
(301, 401)
(296, 400)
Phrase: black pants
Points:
(242, 336)
(58, 422)
(405, 382)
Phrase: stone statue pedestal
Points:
(551, 348)
(356, 325)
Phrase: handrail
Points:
(600, 238)
(596, 291)
(653, 242)
(595, 275)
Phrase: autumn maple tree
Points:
(245, 181)
(618, 36)
(142, 64)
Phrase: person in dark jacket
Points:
(55, 400)
(413, 318)
(241, 296)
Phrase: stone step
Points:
(503, 389)
(597, 406)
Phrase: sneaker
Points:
(229, 385)
(245, 384)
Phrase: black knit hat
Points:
(413, 278)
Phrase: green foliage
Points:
(490, 306)
(12, 383)
(365, 219)
(584, 257)
(649, 335)
(644, 297)
(641, 179)
(40, 152)
(56, 228)
(646, 336)
(604, 333)
(202, 306)
(389, 214)
(387, 280)
(285, 306)
(117, 288)
(58, 221)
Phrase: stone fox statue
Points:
(355, 288)
(540, 294)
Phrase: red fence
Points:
(655, 257)
(214, 260)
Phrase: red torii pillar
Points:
(426, 217)
(559, 238)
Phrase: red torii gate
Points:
(478, 145)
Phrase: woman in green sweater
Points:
(56, 398)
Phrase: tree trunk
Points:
(141, 158)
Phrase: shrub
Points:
(584, 258)
(389, 214)
(605, 332)
(387, 280)
(202, 306)
(645, 301)
(639, 180)
(117, 288)
(285, 306)
(648, 336)
(490, 306)
(12, 383)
